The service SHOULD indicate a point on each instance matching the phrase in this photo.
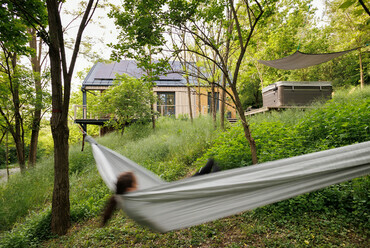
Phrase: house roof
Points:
(102, 74)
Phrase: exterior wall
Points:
(199, 102)
(203, 102)
(181, 99)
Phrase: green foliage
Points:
(79, 160)
(128, 100)
(34, 230)
(344, 120)
(13, 31)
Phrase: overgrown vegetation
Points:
(337, 216)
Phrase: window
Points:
(166, 103)
(215, 99)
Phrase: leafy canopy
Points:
(128, 100)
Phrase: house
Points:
(171, 90)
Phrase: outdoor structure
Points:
(293, 94)
(171, 90)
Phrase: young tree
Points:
(129, 100)
(212, 13)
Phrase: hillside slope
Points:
(337, 216)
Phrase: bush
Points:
(344, 120)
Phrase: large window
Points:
(166, 103)
(215, 99)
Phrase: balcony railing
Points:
(83, 112)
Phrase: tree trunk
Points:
(199, 92)
(247, 131)
(60, 214)
(153, 115)
(7, 155)
(189, 98)
(226, 58)
(187, 82)
(18, 133)
(61, 91)
(213, 105)
(361, 69)
(60, 204)
(36, 67)
(223, 99)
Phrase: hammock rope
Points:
(164, 206)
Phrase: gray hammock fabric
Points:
(165, 206)
(299, 60)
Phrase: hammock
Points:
(300, 60)
(165, 206)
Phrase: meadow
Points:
(337, 216)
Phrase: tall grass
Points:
(169, 151)
(25, 192)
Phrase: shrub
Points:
(344, 120)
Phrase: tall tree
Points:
(191, 17)
(61, 76)
(350, 28)
(139, 39)
(212, 13)
(14, 40)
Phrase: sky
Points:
(103, 35)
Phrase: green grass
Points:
(337, 216)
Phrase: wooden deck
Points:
(267, 109)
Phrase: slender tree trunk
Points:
(199, 93)
(7, 155)
(246, 128)
(223, 99)
(187, 81)
(153, 115)
(213, 106)
(361, 69)
(18, 133)
(226, 58)
(151, 74)
(36, 67)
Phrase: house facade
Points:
(171, 90)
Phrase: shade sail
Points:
(300, 60)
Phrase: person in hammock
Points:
(126, 182)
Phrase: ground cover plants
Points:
(337, 216)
